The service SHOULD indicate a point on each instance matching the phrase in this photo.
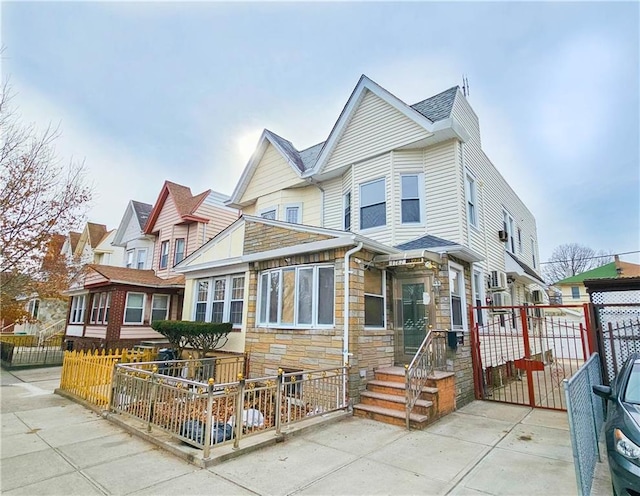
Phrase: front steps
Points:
(385, 398)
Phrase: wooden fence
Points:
(88, 374)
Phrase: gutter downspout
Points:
(345, 338)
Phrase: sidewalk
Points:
(51, 446)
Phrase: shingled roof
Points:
(437, 107)
(425, 242)
(136, 277)
(142, 211)
(186, 204)
(74, 237)
(96, 233)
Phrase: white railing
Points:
(431, 355)
(51, 330)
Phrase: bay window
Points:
(77, 310)
(100, 308)
(220, 299)
(164, 254)
(300, 296)
(373, 204)
(134, 308)
(410, 205)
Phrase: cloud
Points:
(117, 174)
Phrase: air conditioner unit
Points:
(501, 299)
(536, 296)
(497, 280)
(504, 236)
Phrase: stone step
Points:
(390, 416)
(394, 402)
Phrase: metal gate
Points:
(521, 354)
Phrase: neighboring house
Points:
(138, 247)
(573, 288)
(94, 246)
(182, 222)
(404, 198)
(115, 306)
(69, 246)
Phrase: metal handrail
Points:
(430, 355)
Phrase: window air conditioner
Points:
(536, 296)
(501, 299)
(503, 235)
(497, 280)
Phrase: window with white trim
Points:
(533, 252)
(178, 253)
(76, 316)
(478, 296)
(164, 254)
(202, 296)
(159, 307)
(270, 213)
(224, 303)
(575, 292)
(134, 308)
(142, 258)
(507, 224)
(300, 296)
(519, 240)
(130, 257)
(292, 213)
(470, 191)
(411, 202)
(346, 207)
(100, 308)
(373, 204)
(33, 308)
(374, 298)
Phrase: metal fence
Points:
(222, 369)
(207, 414)
(586, 418)
(25, 351)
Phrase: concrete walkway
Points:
(51, 446)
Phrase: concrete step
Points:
(390, 416)
(394, 402)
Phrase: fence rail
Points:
(24, 351)
(586, 418)
(207, 414)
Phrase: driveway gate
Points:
(521, 354)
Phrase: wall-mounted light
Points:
(436, 287)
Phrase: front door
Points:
(412, 317)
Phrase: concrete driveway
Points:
(51, 445)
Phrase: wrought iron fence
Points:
(207, 414)
(222, 369)
(586, 418)
(431, 355)
(24, 351)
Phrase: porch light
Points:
(436, 287)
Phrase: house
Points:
(573, 288)
(114, 306)
(349, 250)
(94, 246)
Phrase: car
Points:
(622, 427)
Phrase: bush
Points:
(202, 336)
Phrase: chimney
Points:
(616, 260)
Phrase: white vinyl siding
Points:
(442, 199)
(374, 128)
(366, 172)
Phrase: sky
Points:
(151, 91)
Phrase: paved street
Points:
(51, 445)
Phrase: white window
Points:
(374, 298)
(456, 288)
(346, 202)
(533, 252)
(269, 213)
(478, 296)
(77, 310)
(142, 258)
(164, 254)
(178, 254)
(159, 307)
(100, 308)
(292, 213)
(373, 205)
(472, 215)
(202, 288)
(411, 203)
(224, 304)
(134, 308)
(33, 307)
(130, 257)
(300, 296)
(507, 224)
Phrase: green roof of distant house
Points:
(605, 271)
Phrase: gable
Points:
(228, 244)
(168, 215)
(375, 127)
(272, 173)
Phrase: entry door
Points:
(411, 318)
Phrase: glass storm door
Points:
(412, 319)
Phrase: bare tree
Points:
(571, 259)
(39, 197)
